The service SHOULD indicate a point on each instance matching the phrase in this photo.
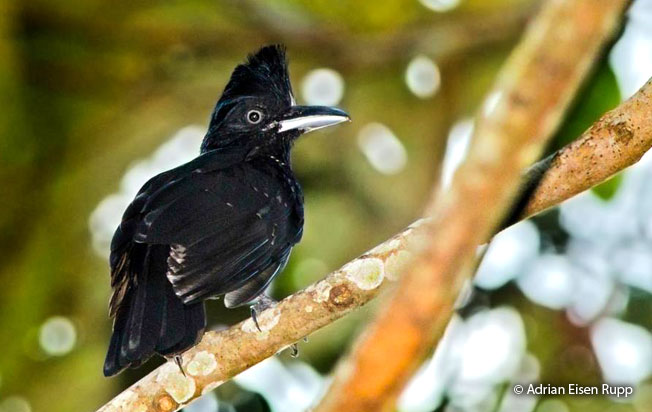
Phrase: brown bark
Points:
(614, 142)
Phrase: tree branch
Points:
(617, 140)
(533, 91)
(221, 355)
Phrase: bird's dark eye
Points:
(254, 116)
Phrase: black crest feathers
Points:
(264, 73)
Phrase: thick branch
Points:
(222, 355)
(534, 90)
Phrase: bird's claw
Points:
(261, 303)
(253, 316)
(295, 350)
(179, 361)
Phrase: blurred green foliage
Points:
(89, 87)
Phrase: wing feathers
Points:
(222, 224)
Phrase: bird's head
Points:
(258, 108)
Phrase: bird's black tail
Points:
(151, 318)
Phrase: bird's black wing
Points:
(224, 226)
(126, 255)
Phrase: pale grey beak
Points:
(309, 118)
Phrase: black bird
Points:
(222, 224)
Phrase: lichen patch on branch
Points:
(202, 364)
(396, 263)
(365, 273)
(320, 291)
(181, 388)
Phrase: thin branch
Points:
(617, 140)
(223, 354)
(533, 91)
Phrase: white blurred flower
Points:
(618, 301)
(550, 281)
(322, 87)
(624, 351)
(440, 5)
(382, 148)
(528, 372)
(491, 353)
(457, 147)
(57, 336)
(422, 77)
(285, 388)
(633, 264)
(588, 217)
(509, 252)
(103, 221)
(494, 346)
(594, 283)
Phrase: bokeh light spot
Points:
(457, 147)
(508, 254)
(440, 5)
(57, 336)
(382, 148)
(322, 87)
(288, 388)
(494, 347)
(549, 281)
(422, 77)
(624, 351)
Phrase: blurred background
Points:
(98, 96)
